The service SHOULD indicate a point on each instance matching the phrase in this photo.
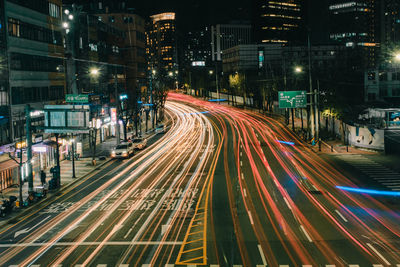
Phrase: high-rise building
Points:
(354, 26)
(31, 53)
(278, 21)
(161, 43)
(224, 36)
(389, 22)
(195, 48)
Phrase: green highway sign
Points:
(292, 99)
(77, 98)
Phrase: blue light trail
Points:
(369, 191)
(285, 142)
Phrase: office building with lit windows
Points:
(278, 21)
(355, 27)
(161, 43)
(224, 36)
(31, 53)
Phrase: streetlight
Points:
(298, 69)
(94, 71)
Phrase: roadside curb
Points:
(51, 195)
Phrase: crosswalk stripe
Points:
(377, 265)
(261, 265)
(123, 265)
(330, 265)
(101, 265)
(214, 265)
(283, 265)
(170, 265)
(307, 265)
(354, 265)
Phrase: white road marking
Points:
(111, 243)
(307, 265)
(377, 253)
(244, 192)
(242, 176)
(123, 265)
(101, 265)
(214, 265)
(306, 234)
(241, 163)
(284, 265)
(287, 203)
(330, 265)
(341, 216)
(27, 230)
(251, 218)
(377, 265)
(262, 254)
(354, 265)
(241, 154)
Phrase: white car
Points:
(160, 129)
(123, 150)
(139, 143)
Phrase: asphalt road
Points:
(222, 187)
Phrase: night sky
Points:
(193, 14)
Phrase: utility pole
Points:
(312, 126)
(57, 172)
(73, 156)
(216, 78)
(118, 127)
(29, 147)
(316, 95)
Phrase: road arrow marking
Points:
(27, 230)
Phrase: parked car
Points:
(139, 143)
(160, 129)
(124, 150)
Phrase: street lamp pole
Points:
(312, 126)
(73, 156)
(118, 127)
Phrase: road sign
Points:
(66, 118)
(292, 99)
(77, 98)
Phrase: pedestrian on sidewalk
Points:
(42, 177)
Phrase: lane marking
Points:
(244, 192)
(123, 265)
(307, 265)
(341, 216)
(242, 176)
(101, 265)
(111, 243)
(251, 218)
(287, 203)
(241, 163)
(330, 265)
(262, 254)
(306, 234)
(241, 153)
(377, 253)
(377, 265)
(284, 265)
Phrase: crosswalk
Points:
(211, 265)
(376, 171)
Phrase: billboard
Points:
(66, 118)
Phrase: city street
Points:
(221, 187)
